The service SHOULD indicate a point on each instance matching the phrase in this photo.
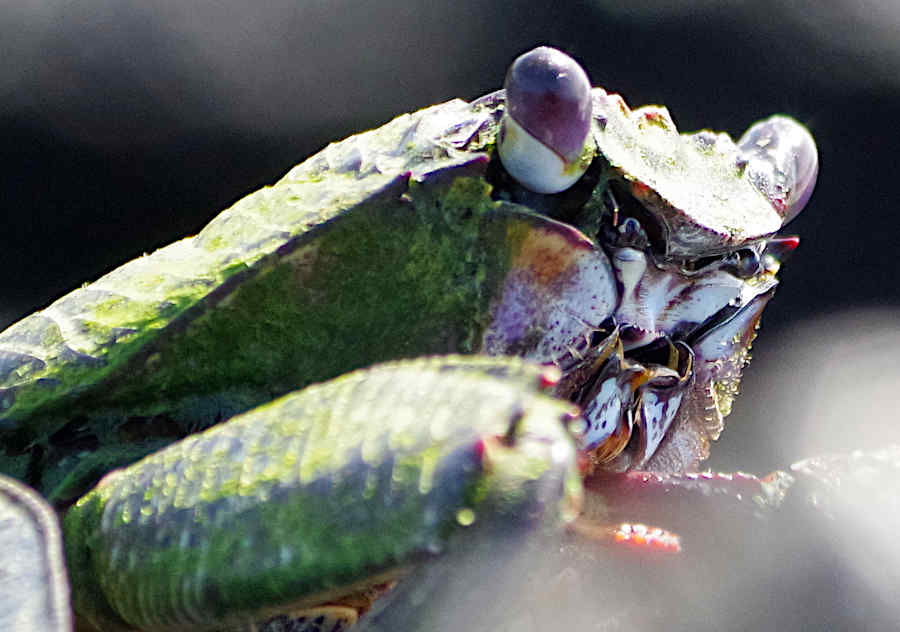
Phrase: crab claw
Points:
(720, 350)
(661, 399)
(640, 395)
(547, 119)
(782, 162)
(608, 408)
(557, 290)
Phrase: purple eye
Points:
(546, 122)
(782, 162)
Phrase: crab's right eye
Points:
(545, 127)
(782, 163)
(744, 263)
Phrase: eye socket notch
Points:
(626, 207)
(569, 206)
(744, 263)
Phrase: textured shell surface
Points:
(288, 287)
(694, 183)
(422, 340)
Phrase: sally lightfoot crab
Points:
(625, 265)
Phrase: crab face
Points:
(635, 260)
(653, 329)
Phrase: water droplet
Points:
(465, 516)
(578, 427)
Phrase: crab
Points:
(243, 431)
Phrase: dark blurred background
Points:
(126, 125)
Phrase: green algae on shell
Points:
(321, 491)
(386, 245)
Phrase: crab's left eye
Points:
(547, 120)
(782, 163)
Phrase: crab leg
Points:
(33, 589)
(322, 495)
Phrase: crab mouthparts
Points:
(672, 363)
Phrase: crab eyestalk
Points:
(782, 162)
(544, 131)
